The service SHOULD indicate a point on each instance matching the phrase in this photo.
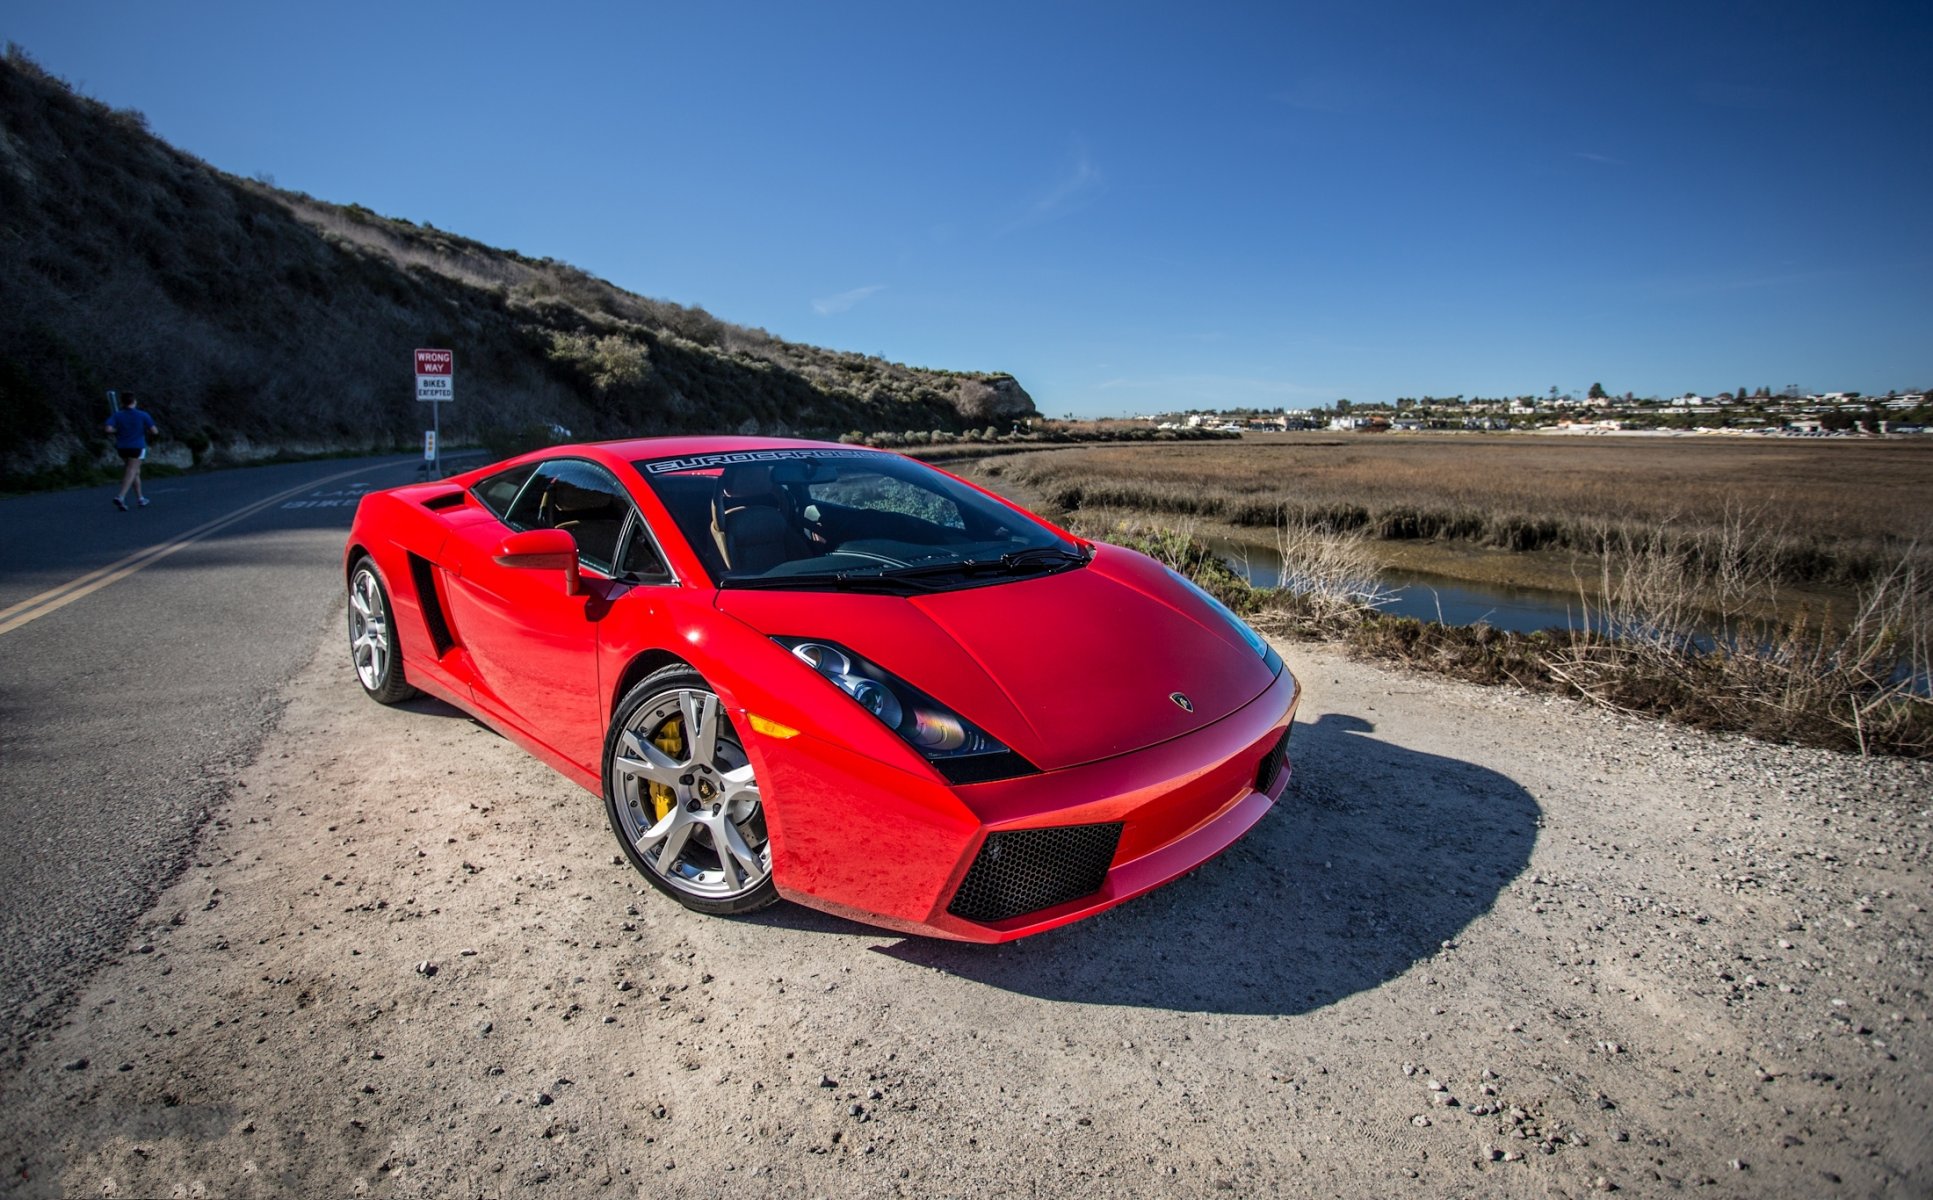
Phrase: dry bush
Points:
(1329, 573)
(1328, 576)
(1667, 638)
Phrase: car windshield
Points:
(837, 519)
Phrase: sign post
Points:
(435, 386)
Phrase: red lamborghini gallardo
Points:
(831, 674)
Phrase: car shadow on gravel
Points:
(1374, 858)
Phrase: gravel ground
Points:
(1489, 944)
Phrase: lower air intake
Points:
(1026, 870)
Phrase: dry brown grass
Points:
(1842, 511)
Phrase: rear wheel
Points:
(372, 637)
(682, 797)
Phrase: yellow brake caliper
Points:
(671, 740)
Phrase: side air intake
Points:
(1272, 764)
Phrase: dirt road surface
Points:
(1488, 945)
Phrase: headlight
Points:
(835, 664)
(1254, 639)
(955, 746)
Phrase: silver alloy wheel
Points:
(368, 629)
(701, 829)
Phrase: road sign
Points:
(435, 376)
(436, 384)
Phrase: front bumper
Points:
(890, 848)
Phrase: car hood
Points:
(1065, 669)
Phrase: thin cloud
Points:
(839, 302)
(1746, 97)
(1709, 284)
(1072, 192)
(1210, 388)
(1781, 275)
(1606, 159)
(1322, 94)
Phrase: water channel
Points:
(1433, 597)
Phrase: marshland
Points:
(1824, 511)
(1777, 586)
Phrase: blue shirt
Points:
(131, 428)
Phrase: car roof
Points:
(678, 446)
(625, 451)
(637, 449)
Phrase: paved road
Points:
(140, 657)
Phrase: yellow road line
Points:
(34, 607)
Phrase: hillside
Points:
(255, 321)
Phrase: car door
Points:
(532, 643)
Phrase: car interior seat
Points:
(750, 522)
(594, 518)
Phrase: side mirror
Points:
(543, 550)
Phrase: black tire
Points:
(664, 796)
(374, 651)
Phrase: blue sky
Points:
(1130, 207)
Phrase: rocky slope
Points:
(254, 320)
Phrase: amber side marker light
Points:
(771, 728)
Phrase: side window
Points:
(640, 556)
(883, 493)
(580, 497)
(500, 490)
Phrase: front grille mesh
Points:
(1026, 870)
(1272, 764)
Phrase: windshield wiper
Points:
(914, 577)
(1014, 562)
(840, 581)
(1042, 556)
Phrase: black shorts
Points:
(131, 455)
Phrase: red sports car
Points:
(831, 674)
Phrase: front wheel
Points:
(372, 637)
(682, 797)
